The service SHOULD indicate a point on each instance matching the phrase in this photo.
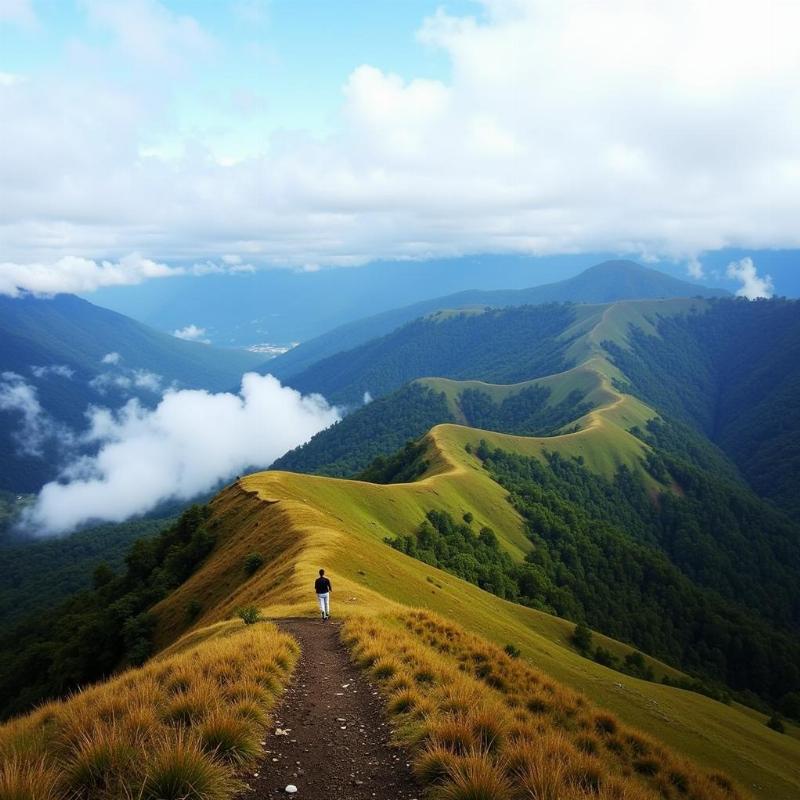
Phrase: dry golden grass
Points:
(484, 725)
(178, 728)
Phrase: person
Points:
(323, 588)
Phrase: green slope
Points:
(607, 282)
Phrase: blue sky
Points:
(141, 137)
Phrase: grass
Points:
(478, 740)
(549, 722)
(301, 523)
(178, 728)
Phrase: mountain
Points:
(281, 306)
(460, 565)
(72, 353)
(602, 283)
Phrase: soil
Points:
(336, 741)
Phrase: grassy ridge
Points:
(183, 726)
(341, 525)
(483, 724)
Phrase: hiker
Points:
(323, 588)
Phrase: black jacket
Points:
(322, 585)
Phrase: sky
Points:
(141, 138)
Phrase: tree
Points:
(582, 638)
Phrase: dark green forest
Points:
(379, 429)
(376, 430)
(732, 373)
(508, 345)
(604, 555)
(41, 573)
(96, 631)
(683, 579)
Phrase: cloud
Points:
(36, 426)
(149, 32)
(18, 12)
(61, 370)
(145, 457)
(71, 274)
(191, 333)
(695, 268)
(111, 358)
(753, 286)
(127, 380)
(367, 399)
(665, 128)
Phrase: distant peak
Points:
(618, 265)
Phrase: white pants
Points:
(324, 603)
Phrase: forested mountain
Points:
(71, 353)
(733, 373)
(576, 502)
(384, 425)
(603, 283)
(500, 345)
(721, 373)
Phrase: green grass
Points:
(299, 523)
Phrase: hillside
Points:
(533, 408)
(733, 374)
(603, 283)
(73, 354)
(618, 518)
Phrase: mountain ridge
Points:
(598, 284)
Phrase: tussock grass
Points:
(482, 724)
(175, 729)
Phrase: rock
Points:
(290, 789)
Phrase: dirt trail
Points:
(337, 745)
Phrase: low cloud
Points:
(144, 457)
(111, 358)
(36, 427)
(191, 333)
(127, 380)
(753, 286)
(61, 370)
(71, 274)
(367, 398)
(695, 269)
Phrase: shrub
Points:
(582, 638)
(21, 780)
(193, 609)
(776, 723)
(253, 563)
(179, 769)
(476, 778)
(248, 614)
(468, 518)
(512, 650)
(98, 764)
(229, 737)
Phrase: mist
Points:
(190, 442)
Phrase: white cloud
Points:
(18, 12)
(753, 286)
(695, 268)
(145, 457)
(147, 31)
(144, 379)
(623, 126)
(71, 274)
(127, 380)
(111, 358)
(61, 370)
(367, 398)
(191, 333)
(36, 426)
